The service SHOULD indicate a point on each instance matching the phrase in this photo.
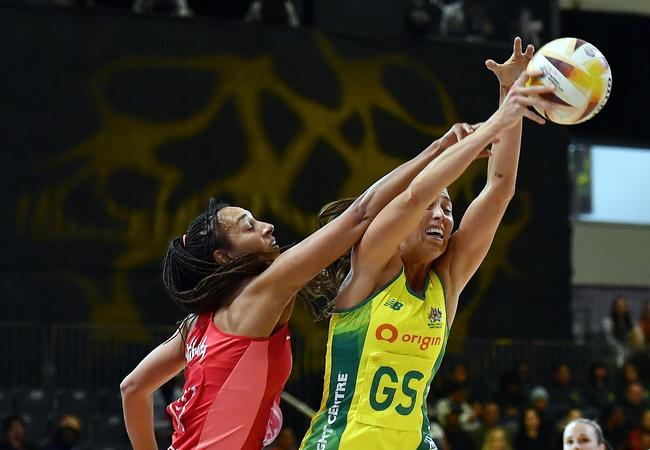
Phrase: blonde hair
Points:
(487, 441)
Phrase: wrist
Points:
(436, 148)
(495, 123)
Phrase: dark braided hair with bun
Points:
(194, 279)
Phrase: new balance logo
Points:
(394, 304)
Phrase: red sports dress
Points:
(232, 389)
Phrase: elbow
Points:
(361, 211)
(416, 197)
(128, 388)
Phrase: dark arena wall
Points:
(119, 128)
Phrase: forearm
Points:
(138, 418)
(389, 186)
(137, 389)
(502, 166)
(452, 163)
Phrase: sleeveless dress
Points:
(381, 358)
(232, 389)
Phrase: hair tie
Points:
(183, 239)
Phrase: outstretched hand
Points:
(508, 72)
(519, 98)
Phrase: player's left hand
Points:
(460, 131)
(508, 72)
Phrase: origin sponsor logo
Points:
(387, 332)
(333, 411)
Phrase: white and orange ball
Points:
(581, 76)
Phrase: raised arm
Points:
(401, 216)
(270, 292)
(471, 242)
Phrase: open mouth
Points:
(435, 232)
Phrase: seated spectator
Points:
(571, 415)
(524, 377)
(613, 420)
(530, 435)
(437, 433)
(459, 375)
(539, 400)
(457, 400)
(563, 394)
(598, 392)
(496, 439)
(629, 374)
(66, 434)
(617, 328)
(634, 403)
(642, 328)
(13, 434)
(456, 436)
(511, 398)
(490, 418)
(639, 437)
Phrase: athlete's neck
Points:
(416, 273)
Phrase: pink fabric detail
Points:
(275, 423)
(230, 417)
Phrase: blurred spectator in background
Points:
(457, 375)
(617, 328)
(634, 403)
(286, 440)
(571, 415)
(530, 435)
(641, 351)
(456, 436)
(598, 393)
(496, 439)
(437, 433)
(523, 376)
(13, 434)
(629, 374)
(539, 402)
(511, 397)
(66, 434)
(639, 437)
(457, 399)
(563, 394)
(643, 327)
(490, 418)
(613, 421)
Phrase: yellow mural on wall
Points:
(128, 141)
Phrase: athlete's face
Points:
(581, 436)
(246, 235)
(433, 231)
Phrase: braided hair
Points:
(193, 278)
(320, 293)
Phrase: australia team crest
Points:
(435, 318)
